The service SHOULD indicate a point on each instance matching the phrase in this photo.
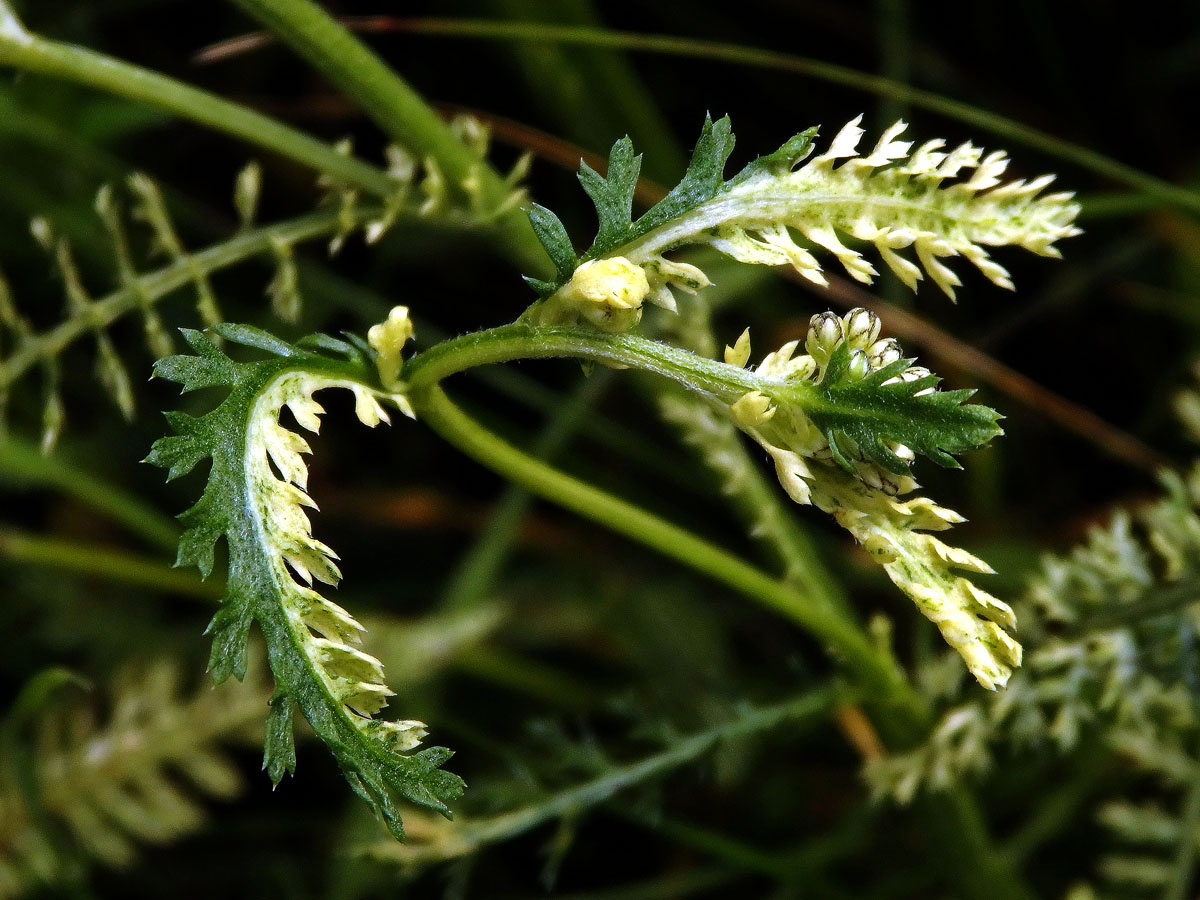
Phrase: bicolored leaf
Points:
(254, 501)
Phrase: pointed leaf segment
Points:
(872, 413)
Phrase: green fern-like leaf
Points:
(419, 192)
(702, 181)
(612, 195)
(889, 410)
(857, 400)
(938, 203)
(1113, 652)
(273, 559)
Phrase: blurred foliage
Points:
(555, 656)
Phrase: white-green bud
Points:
(915, 373)
(387, 339)
(740, 351)
(858, 367)
(870, 476)
(861, 327)
(802, 368)
(615, 283)
(884, 353)
(608, 293)
(825, 332)
(612, 319)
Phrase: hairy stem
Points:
(521, 341)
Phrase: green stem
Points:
(1059, 807)
(707, 378)
(340, 292)
(981, 871)
(619, 100)
(24, 464)
(87, 559)
(470, 836)
(521, 341)
(524, 675)
(1115, 205)
(758, 502)
(1159, 602)
(895, 52)
(719, 846)
(477, 571)
(1010, 129)
(400, 111)
(31, 53)
(958, 834)
(885, 683)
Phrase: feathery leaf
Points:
(939, 203)
(273, 559)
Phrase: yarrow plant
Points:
(833, 413)
(843, 422)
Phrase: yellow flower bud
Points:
(387, 339)
(615, 282)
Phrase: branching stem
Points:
(885, 682)
(154, 286)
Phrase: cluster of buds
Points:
(892, 530)
(610, 293)
(859, 329)
(781, 425)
